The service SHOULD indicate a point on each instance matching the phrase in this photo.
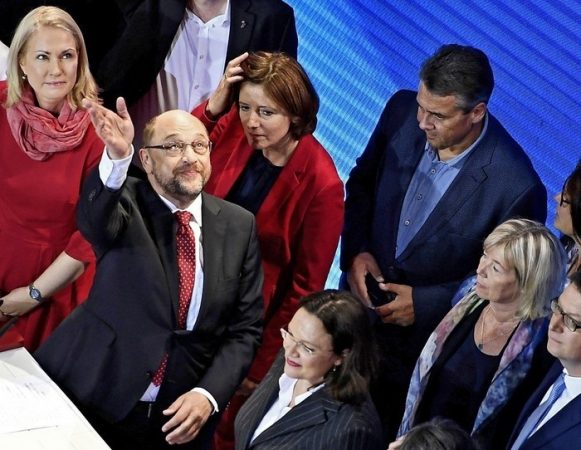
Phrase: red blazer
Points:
(299, 223)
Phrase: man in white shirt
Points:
(552, 417)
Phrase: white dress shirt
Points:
(572, 390)
(281, 406)
(193, 69)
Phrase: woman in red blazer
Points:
(266, 159)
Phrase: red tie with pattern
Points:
(186, 256)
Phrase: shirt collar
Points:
(462, 156)
(286, 386)
(222, 19)
(195, 208)
(573, 384)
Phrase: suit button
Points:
(92, 195)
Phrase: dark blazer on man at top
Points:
(105, 353)
(497, 182)
(562, 431)
(318, 423)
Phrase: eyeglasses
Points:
(568, 321)
(302, 348)
(178, 148)
(563, 200)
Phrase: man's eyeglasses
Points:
(568, 321)
(302, 348)
(178, 148)
(564, 201)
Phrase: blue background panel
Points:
(358, 53)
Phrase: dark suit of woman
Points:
(318, 423)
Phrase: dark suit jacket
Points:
(105, 352)
(299, 223)
(497, 182)
(318, 423)
(561, 431)
(128, 40)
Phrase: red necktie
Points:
(186, 256)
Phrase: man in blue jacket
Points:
(552, 417)
(438, 174)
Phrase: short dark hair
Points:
(287, 83)
(572, 187)
(438, 434)
(459, 70)
(345, 319)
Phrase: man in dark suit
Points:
(148, 358)
(438, 174)
(551, 420)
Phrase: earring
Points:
(24, 76)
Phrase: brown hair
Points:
(345, 319)
(286, 82)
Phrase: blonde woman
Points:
(47, 148)
(484, 358)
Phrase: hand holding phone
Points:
(377, 296)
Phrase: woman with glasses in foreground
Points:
(488, 354)
(266, 159)
(315, 395)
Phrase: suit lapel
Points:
(265, 395)
(162, 226)
(557, 425)
(213, 236)
(241, 27)
(398, 170)
(285, 184)
(460, 192)
(315, 410)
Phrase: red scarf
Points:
(40, 134)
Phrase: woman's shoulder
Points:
(316, 160)
(357, 426)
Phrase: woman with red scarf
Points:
(47, 148)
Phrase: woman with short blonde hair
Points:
(488, 353)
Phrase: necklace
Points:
(497, 334)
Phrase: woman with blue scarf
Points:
(482, 361)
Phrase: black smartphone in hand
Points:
(377, 296)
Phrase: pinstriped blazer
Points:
(318, 423)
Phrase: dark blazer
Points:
(298, 223)
(497, 182)
(128, 40)
(561, 431)
(105, 352)
(318, 423)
